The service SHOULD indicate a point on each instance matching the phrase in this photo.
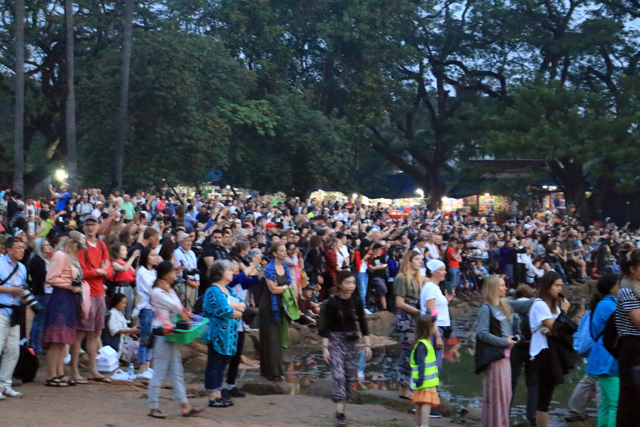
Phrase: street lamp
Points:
(420, 192)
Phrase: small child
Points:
(425, 369)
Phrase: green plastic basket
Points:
(181, 336)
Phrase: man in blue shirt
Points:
(13, 278)
(61, 198)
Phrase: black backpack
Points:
(28, 364)
(524, 325)
(610, 336)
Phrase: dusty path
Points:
(125, 406)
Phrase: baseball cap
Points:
(79, 238)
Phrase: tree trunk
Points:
(121, 130)
(18, 171)
(70, 108)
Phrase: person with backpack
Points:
(524, 299)
(627, 322)
(601, 363)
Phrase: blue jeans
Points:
(214, 373)
(454, 277)
(146, 320)
(35, 337)
(363, 282)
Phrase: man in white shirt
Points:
(432, 244)
(343, 252)
(187, 258)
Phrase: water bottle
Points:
(132, 374)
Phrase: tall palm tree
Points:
(18, 171)
(121, 130)
(70, 110)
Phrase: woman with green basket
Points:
(223, 307)
(167, 358)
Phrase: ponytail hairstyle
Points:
(605, 284)
(490, 292)
(629, 258)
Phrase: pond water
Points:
(459, 384)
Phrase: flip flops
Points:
(194, 411)
(56, 382)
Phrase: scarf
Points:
(270, 274)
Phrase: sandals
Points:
(80, 380)
(68, 380)
(157, 413)
(56, 382)
(220, 403)
(101, 380)
(195, 410)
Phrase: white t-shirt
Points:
(434, 253)
(540, 311)
(432, 291)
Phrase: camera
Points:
(518, 338)
(192, 272)
(32, 302)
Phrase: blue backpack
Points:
(583, 340)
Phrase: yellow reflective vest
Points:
(430, 368)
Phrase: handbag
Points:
(249, 315)
(486, 354)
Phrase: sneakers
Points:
(341, 420)
(147, 375)
(9, 392)
(366, 311)
(435, 414)
(2, 397)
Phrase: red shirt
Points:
(90, 261)
(450, 260)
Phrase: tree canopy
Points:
(294, 96)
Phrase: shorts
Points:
(95, 320)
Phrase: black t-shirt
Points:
(341, 315)
(203, 218)
(377, 262)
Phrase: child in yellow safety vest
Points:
(424, 370)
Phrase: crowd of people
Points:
(126, 270)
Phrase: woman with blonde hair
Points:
(407, 284)
(495, 329)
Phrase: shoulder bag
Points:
(486, 354)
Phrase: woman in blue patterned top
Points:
(223, 308)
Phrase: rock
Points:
(445, 408)
(262, 387)
(381, 322)
(474, 414)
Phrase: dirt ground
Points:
(124, 405)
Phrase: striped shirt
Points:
(627, 301)
(18, 279)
